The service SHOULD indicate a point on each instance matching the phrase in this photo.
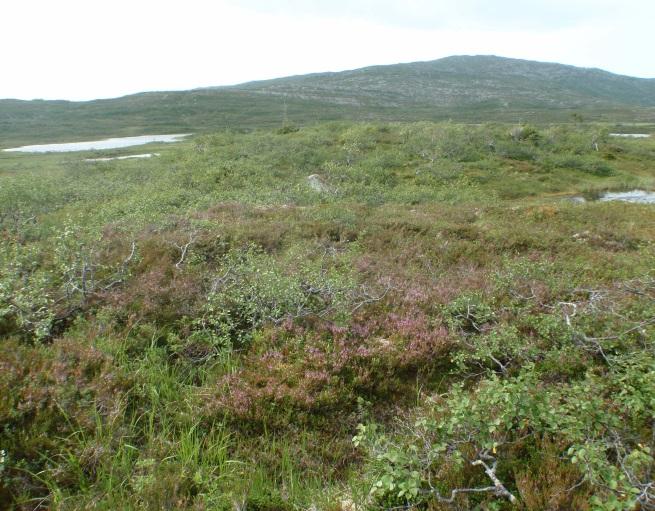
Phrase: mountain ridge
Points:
(431, 61)
(465, 88)
(485, 70)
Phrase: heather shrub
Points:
(315, 371)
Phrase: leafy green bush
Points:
(515, 151)
(525, 133)
(607, 437)
(25, 293)
(255, 289)
(583, 164)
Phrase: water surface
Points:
(636, 196)
(630, 135)
(97, 145)
(639, 196)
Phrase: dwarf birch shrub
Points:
(602, 424)
(25, 292)
(255, 289)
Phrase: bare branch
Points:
(185, 248)
(370, 299)
(497, 489)
(500, 489)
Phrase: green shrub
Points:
(255, 289)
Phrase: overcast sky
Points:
(85, 49)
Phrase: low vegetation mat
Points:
(347, 316)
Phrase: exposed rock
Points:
(317, 184)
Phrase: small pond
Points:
(637, 196)
(97, 145)
(631, 135)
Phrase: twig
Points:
(498, 487)
(184, 249)
(501, 491)
(371, 299)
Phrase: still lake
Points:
(97, 145)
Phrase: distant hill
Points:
(485, 81)
(465, 88)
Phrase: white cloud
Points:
(85, 49)
(436, 14)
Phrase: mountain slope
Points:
(463, 80)
(465, 88)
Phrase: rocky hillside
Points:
(465, 81)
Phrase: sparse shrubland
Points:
(205, 330)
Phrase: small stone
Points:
(316, 183)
